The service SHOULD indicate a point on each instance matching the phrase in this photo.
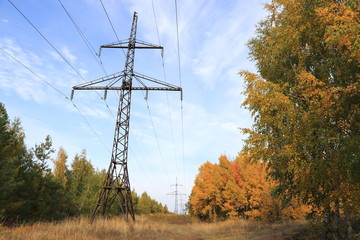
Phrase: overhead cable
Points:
(180, 79)
(46, 40)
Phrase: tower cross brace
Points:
(116, 185)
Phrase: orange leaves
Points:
(301, 131)
(203, 197)
(342, 26)
(305, 102)
(237, 188)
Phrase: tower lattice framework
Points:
(116, 186)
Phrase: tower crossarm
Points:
(111, 79)
(125, 44)
(153, 80)
(132, 88)
(140, 44)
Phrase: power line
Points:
(45, 80)
(111, 24)
(182, 141)
(80, 32)
(136, 142)
(155, 134)
(156, 138)
(178, 42)
(157, 29)
(87, 122)
(61, 93)
(141, 152)
(107, 15)
(83, 37)
(180, 79)
(138, 145)
(167, 96)
(46, 40)
(90, 48)
(144, 171)
(42, 79)
(133, 137)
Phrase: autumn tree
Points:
(205, 195)
(60, 167)
(238, 188)
(305, 104)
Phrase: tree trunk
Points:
(327, 222)
(349, 230)
(336, 220)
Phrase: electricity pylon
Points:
(176, 193)
(117, 184)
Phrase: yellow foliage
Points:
(342, 26)
(60, 167)
(237, 188)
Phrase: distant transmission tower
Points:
(117, 184)
(176, 193)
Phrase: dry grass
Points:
(150, 227)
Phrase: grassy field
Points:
(152, 227)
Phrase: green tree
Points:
(49, 200)
(147, 205)
(28, 191)
(83, 183)
(15, 165)
(42, 152)
(144, 204)
(135, 199)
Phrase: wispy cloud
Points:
(13, 77)
(67, 54)
(225, 45)
(93, 112)
(56, 56)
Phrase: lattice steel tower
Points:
(117, 184)
(176, 193)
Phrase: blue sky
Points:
(213, 36)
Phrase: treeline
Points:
(239, 188)
(305, 102)
(31, 191)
